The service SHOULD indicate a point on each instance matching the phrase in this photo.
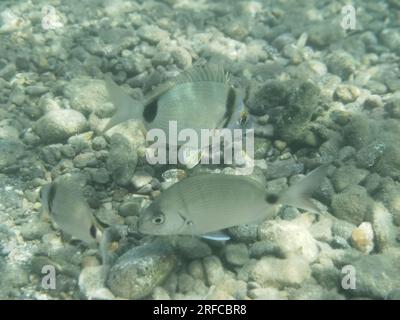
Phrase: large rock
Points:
(10, 151)
(122, 160)
(280, 273)
(377, 275)
(85, 95)
(289, 238)
(59, 125)
(137, 272)
(352, 205)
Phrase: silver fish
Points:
(63, 201)
(198, 98)
(201, 205)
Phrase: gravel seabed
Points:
(318, 94)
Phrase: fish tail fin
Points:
(299, 194)
(127, 107)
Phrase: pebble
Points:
(138, 271)
(87, 159)
(346, 176)
(193, 248)
(91, 284)
(362, 237)
(377, 285)
(290, 238)
(279, 273)
(213, 269)
(236, 254)
(347, 93)
(59, 125)
(122, 160)
(352, 205)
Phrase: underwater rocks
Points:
(59, 125)
(137, 272)
(122, 160)
(279, 273)
(192, 248)
(293, 125)
(388, 192)
(376, 275)
(353, 204)
(291, 104)
(289, 238)
(10, 151)
(346, 176)
(341, 63)
(236, 254)
(91, 283)
(85, 95)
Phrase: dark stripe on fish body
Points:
(51, 196)
(150, 111)
(230, 104)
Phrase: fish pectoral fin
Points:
(217, 236)
(299, 194)
(127, 107)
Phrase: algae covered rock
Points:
(293, 125)
(122, 160)
(137, 272)
(377, 275)
(352, 205)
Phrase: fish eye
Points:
(93, 231)
(271, 198)
(158, 219)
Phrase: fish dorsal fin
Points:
(209, 72)
(216, 236)
(299, 194)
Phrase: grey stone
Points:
(262, 248)
(85, 95)
(384, 231)
(100, 175)
(182, 58)
(213, 269)
(377, 275)
(389, 193)
(236, 254)
(137, 272)
(192, 248)
(34, 230)
(59, 125)
(280, 273)
(152, 34)
(122, 160)
(352, 205)
(99, 143)
(91, 283)
(283, 169)
(289, 238)
(341, 63)
(10, 151)
(369, 154)
(87, 159)
(346, 176)
(132, 206)
(244, 232)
